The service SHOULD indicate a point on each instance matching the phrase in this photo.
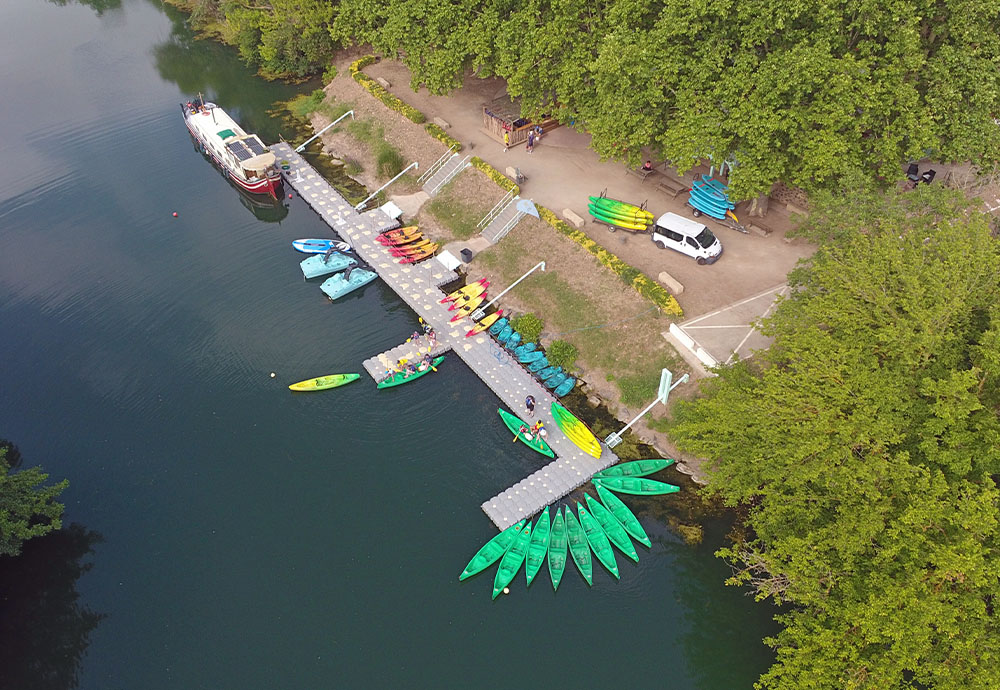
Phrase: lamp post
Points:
(666, 377)
(478, 314)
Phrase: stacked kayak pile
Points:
(408, 244)
(597, 528)
(330, 256)
(620, 214)
(533, 358)
(711, 197)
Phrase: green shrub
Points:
(389, 161)
(352, 166)
(373, 87)
(303, 105)
(632, 276)
(529, 326)
(563, 354)
(329, 74)
(443, 136)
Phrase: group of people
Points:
(536, 429)
(408, 369)
(534, 136)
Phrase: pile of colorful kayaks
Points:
(466, 300)
(602, 526)
(331, 256)
(408, 245)
(711, 197)
(532, 357)
(620, 214)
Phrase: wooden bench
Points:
(670, 186)
(639, 172)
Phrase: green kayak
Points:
(514, 424)
(322, 383)
(400, 377)
(578, 547)
(638, 486)
(557, 549)
(491, 551)
(614, 529)
(625, 516)
(636, 468)
(598, 540)
(538, 546)
(511, 561)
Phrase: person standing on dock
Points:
(529, 404)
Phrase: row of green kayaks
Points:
(601, 527)
(528, 354)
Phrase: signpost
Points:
(666, 377)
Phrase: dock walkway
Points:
(419, 286)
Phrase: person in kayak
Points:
(529, 404)
(538, 429)
(526, 432)
(410, 370)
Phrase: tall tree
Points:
(864, 446)
(26, 509)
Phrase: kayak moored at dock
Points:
(557, 549)
(579, 547)
(624, 515)
(576, 431)
(637, 486)
(511, 561)
(598, 540)
(322, 383)
(491, 551)
(614, 529)
(400, 377)
(536, 442)
(636, 468)
(538, 546)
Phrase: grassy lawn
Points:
(459, 217)
(619, 337)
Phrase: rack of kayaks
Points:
(596, 530)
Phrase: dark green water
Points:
(253, 538)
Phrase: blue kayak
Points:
(498, 326)
(555, 380)
(318, 265)
(564, 387)
(338, 286)
(504, 334)
(529, 357)
(549, 372)
(513, 341)
(319, 246)
(523, 350)
(538, 365)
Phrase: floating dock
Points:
(419, 286)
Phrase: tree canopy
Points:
(864, 446)
(804, 93)
(26, 509)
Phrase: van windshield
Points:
(705, 238)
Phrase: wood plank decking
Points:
(419, 286)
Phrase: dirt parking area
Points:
(563, 171)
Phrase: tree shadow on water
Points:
(44, 630)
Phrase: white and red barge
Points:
(243, 157)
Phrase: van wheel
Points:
(702, 261)
(696, 213)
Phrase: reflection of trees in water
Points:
(99, 6)
(44, 630)
(723, 628)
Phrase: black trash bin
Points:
(466, 255)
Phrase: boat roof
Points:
(246, 148)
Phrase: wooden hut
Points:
(504, 115)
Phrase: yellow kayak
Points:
(470, 290)
(321, 383)
(469, 307)
(485, 323)
(576, 431)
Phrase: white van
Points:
(687, 237)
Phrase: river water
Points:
(241, 536)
